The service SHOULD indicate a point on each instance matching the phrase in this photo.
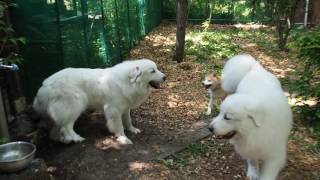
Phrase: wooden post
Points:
(4, 134)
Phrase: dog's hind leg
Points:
(68, 134)
(64, 119)
(114, 123)
(127, 122)
(253, 169)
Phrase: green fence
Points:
(80, 33)
(223, 11)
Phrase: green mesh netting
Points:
(80, 33)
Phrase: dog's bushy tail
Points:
(40, 102)
(235, 70)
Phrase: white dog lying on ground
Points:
(256, 118)
(69, 92)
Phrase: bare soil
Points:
(169, 117)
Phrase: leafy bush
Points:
(9, 45)
(308, 46)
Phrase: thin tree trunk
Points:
(182, 17)
(254, 5)
(284, 24)
(210, 15)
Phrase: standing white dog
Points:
(256, 118)
(67, 93)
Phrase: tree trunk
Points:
(254, 5)
(210, 15)
(182, 17)
(284, 23)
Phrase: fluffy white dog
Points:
(69, 92)
(256, 118)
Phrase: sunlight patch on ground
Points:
(107, 143)
(250, 26)
(298, 101)
(139, 166)
(249, 45)
(173, 100)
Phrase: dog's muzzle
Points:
(207, 86)
(229, 135)
(156, 84)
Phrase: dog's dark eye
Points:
(226, 117)
(153, 71)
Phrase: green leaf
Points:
(22, 40)
(13, 41)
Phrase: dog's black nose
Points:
(211, 129)
(164, 78)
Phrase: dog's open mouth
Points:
(154, 84)
(229, 135)
(207, 86)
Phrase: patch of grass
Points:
(169, 163)
(296, 138)
(217, 149)
(198, 149)
(176, 161)
(211, 45)
(314, 148)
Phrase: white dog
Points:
(256, 118)
(69, 92)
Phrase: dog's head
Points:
(146, 72)
(238, 116)
(211, 81)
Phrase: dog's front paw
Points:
(78, 139)
(134, 130)
(124, 140)
(252, 175)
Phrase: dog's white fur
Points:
(116, 90)
(259, 113)
(234, 71)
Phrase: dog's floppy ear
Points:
(255, 120)
(254, 113)
(134, 75)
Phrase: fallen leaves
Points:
(183, 102)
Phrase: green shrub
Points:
(308, 46)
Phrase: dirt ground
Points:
(165, 119)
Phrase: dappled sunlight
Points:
(160, 40)
(107, 143)
(173, 100)
(299, 101)
(280, 68)
(139, 166)
(251, 26)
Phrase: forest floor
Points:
(169, 113)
